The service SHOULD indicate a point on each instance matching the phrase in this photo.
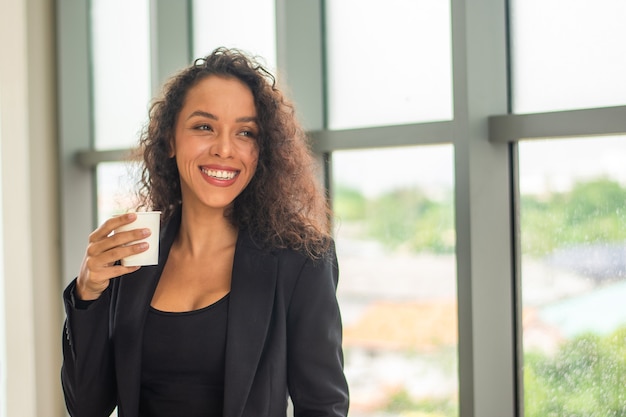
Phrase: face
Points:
(215, 143)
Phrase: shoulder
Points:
(305, 275)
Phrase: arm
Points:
(87, 373)
(317, 384)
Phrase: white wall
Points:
(3, 356)
(29, 214)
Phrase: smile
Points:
(219, 173)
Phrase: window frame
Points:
(483, 133)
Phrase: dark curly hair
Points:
(284, 205)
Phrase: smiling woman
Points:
(241, 310)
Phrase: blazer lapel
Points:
(251, 303)
(134, 296)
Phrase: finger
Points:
(106, 258)
(96, 270)
(115, 240)
(126, 237)
(110, 225)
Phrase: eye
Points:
(203, 126)
(248, 134)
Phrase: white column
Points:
(29, 216)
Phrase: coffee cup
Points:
(145, 220)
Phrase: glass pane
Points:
(568, 55)
(249, 25)
(573, 237)
(397, 289)
(389, 62)
(117, 185)
(121, 70)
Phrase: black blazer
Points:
(284, 337)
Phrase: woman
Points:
(240, 312)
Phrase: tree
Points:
(592, 212)
(586, 378)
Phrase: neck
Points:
(206, 232)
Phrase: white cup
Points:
(145, 220)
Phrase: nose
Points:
(222, 146)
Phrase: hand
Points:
(104, 249)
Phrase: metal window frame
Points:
(483, 135)
(571, 123)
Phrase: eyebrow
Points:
(200, 113)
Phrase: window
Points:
(568, 56)
(388, 89)
(120, 34)
(572, 190)
(395, 241)
(243, 24)
(573, 236)
(389, 62)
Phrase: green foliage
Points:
(349, 204)
(401, 403)
(404, 218)
(586, 378)
(591, 212)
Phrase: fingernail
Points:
(146, 232)
(143, 246)
(131, 216)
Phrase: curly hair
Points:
(284, 205)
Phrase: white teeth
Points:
(220, 174)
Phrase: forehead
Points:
(220, 89)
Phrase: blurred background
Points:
(473, 153)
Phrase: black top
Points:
(182, 366)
